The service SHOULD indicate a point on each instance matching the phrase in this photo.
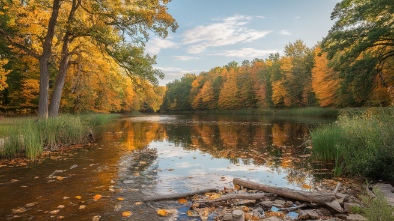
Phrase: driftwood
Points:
(177, 195)
(255, 196)
(311, 197)
(293, 208)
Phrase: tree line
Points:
(89, 53)
(352, 66)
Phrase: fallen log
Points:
(255, 196)
(305, 196)
(177, 195)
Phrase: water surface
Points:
(160, 154)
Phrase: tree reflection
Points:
(275, 144)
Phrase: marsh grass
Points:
(376, 208)
(28, 137)
(360, 144)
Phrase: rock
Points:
(303, 215)
(19, 210)
(238, 215)
(388, 191)
(335, 205)
(279, 203)
(96, 218)
(267, 204)
(227, 216)
(324, 212)
(348, 207)
(312, 214)
(289, 203)
(356, 217)
(272, 218)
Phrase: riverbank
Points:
(305, 111)
(28, 137)
(359, 144)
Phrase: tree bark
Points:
(63, 66)
(312, 197)
(60, 79)
(44, 62)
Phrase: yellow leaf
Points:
(127, 214)
(78, 197)
(59, 178)
(120, 199)
(182, 200)
(306, 186)
(96, 197)
(162, 212)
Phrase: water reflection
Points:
(197, 151)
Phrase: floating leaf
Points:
(182, 201)
(96, 197)
(78, 197)
(162, 212)
(60, 206)
(53, 212)
(126, 214)
(82, 206)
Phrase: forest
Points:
(77, 57)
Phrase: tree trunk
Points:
(312, 197)
(60, 79)
(63, 66)
(44, 62)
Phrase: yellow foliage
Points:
(3, 74)
(162, 212)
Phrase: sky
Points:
(213, 33)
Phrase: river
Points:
(146, 155)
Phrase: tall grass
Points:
(360, 144)
(377, 208)
(28, 137)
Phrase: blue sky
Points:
(215, 32)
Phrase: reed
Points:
(27, 137)
(360, 144)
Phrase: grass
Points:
(359, 144)
(376, 208)
(27, 137)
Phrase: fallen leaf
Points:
(162, 212)
(306, 186)
(120, 199)
(138, 203)
(54, 211)
(31, 204)
(78, 197)
(96, 218)
(82, 206)
(127, 214)
(96, 197)
(19, 210)
(182, 201)
(59, 177)
(60, 206)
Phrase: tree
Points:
(119, 29)
(325, 82)
(362, 34)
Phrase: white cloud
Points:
(184, 58)
(172, 73)
(298, 17)
(245, 53)
(285, 32)
(228, 31)
(154, 45)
